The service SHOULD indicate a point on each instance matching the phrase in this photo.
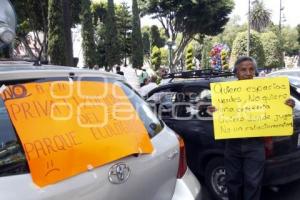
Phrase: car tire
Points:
(215, 178)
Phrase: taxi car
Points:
(161, 174)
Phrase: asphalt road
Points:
(289, 191)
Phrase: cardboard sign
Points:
(252, 108)
(69, 127)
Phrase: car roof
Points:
(199, 82)
(25, 70)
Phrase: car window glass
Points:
(193, 104)
(150, 120)
(162, 103)
(297, 108)
(12, 157)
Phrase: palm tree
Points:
(260, 17)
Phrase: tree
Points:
(100, 44)
(137, 43)
(124, 27)
(290, 41)
(32, 16)
(56, 35)
(155, 58)
(67, 17)
(239, 48)
(146, 43)
(156, 39)
(112, 48)
(189, 17)
(87, 33)
(272, 50)
(298, 30)
(260, 17)
(205, 58)
(189, 58)
(230, 32)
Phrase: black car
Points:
(179, 100)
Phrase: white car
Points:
(292, 74)
(159, 175)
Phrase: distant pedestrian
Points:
(118, 69)
(143, 77)
(150, 85)
(96, 67)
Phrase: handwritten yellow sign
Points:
(252, 108)
(70, 127)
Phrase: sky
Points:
(291, 11)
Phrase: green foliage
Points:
(189, 58)
(205, 58)
(112, 48)
(75, 11)
(239, 48)
(298, 30)
(272, 50)
(87, 33)
(230, 32)
(31, 15)
(100, 44)
(164, 56)
(191, 16)
(290, 40)
(99, 11)
(260, 17)
(156, 38)
(124, 26)
(56, 44)
(123, 21)
(146, 43)
(155, 58)
(137, 43)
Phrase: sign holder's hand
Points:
(290, 102)
(211, 109)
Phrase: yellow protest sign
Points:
(252, 108)
(69, 127)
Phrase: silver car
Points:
(160, 175)
(293, 75)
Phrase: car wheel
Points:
(215, 178)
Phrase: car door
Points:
(196, 124)
(191, 120)
(141, 176)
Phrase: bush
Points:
(189, 58)
(272, 50)
(239, 48)
(156, 58)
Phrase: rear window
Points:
(12, 157)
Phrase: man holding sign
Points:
(242, 115)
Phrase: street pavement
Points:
(289, 191)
